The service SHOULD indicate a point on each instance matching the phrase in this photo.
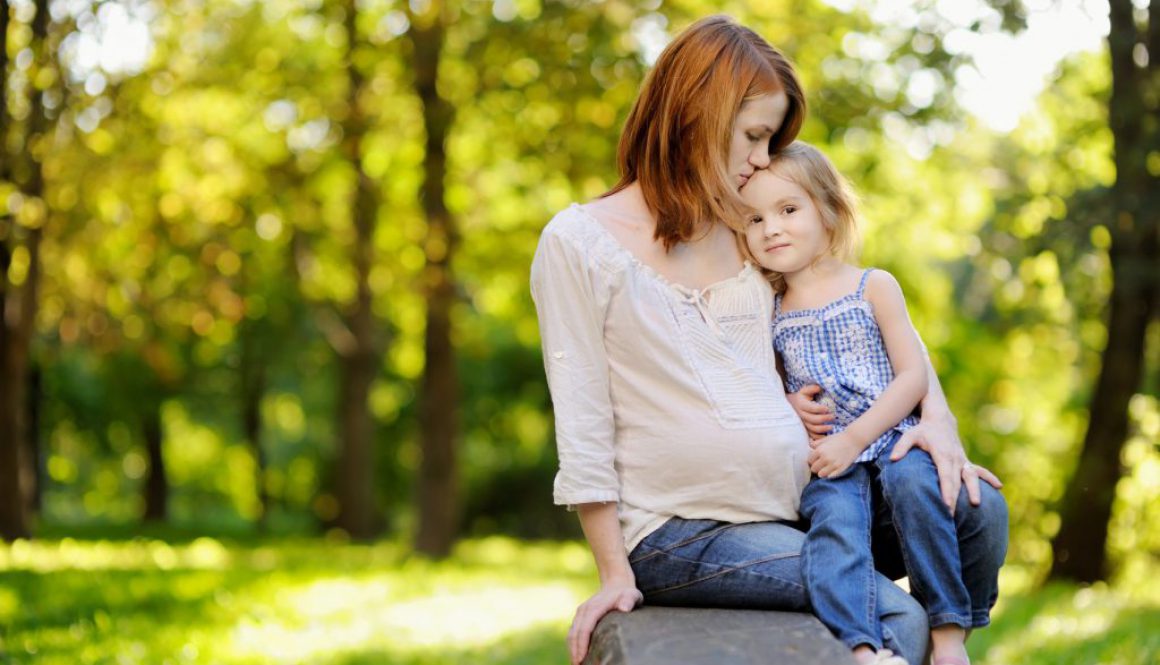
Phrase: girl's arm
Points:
(617, 583)
(833, 454)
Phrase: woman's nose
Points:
(759, 157)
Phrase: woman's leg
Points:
(756, 565)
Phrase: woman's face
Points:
(756, 123)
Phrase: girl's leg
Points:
(838, 565)
(756, 565)
(981, 532)
(930, 543)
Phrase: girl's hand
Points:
(815, 416)
(618, 597)
(833, 454)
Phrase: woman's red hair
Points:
(676, 140)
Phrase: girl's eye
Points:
(756, 219)
(789, 210)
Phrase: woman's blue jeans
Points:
(757, 565)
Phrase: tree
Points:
(359, 358)
(439, 395)
(1080, 547)
(20, 263)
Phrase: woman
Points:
(678, 447)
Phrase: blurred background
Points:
(270, 377)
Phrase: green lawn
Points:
(223, 601)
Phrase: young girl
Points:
(847, 330)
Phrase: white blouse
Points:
(667, 399)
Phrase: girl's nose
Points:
(770, 228)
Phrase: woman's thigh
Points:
(756, 565)
(705, 563)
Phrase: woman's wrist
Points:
(618, 575)
(936, 412)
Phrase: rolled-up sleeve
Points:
(571, 300)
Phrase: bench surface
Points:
(669, 635)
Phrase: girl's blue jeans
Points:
(837, 556)
(758, 565)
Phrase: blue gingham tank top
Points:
(839, 347)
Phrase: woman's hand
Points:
(815, 416)
(832, 455)
(613, 596)
(939, 436)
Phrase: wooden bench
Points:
(677, 635)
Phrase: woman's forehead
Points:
(769, 109)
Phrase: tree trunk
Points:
(439, 394)
(13, 515)
(253, 387)
(156, 483)
(33, 483)
(1080, 547)
(356, 479)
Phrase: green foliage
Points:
(198, 238)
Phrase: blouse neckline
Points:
(685, 291)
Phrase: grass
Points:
(174, 599)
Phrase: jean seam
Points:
(871, 582)
(669, 548)
(724, 571)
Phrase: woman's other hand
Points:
(940, 438)
(815, 415)
(614, 596)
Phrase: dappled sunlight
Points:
(1093, 624)
(336, 616)
(69, 554)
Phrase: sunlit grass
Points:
(206, 600)
(209, 601)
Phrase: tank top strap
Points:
(862, 283)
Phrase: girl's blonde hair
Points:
(676, 140)
(808, 168)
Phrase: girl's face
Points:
(785, 231)
(756, 123)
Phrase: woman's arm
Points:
(938, 434)
(570, 304)
(617, 583)
(834, 453)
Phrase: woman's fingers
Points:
(988, 477)
(591, 612)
